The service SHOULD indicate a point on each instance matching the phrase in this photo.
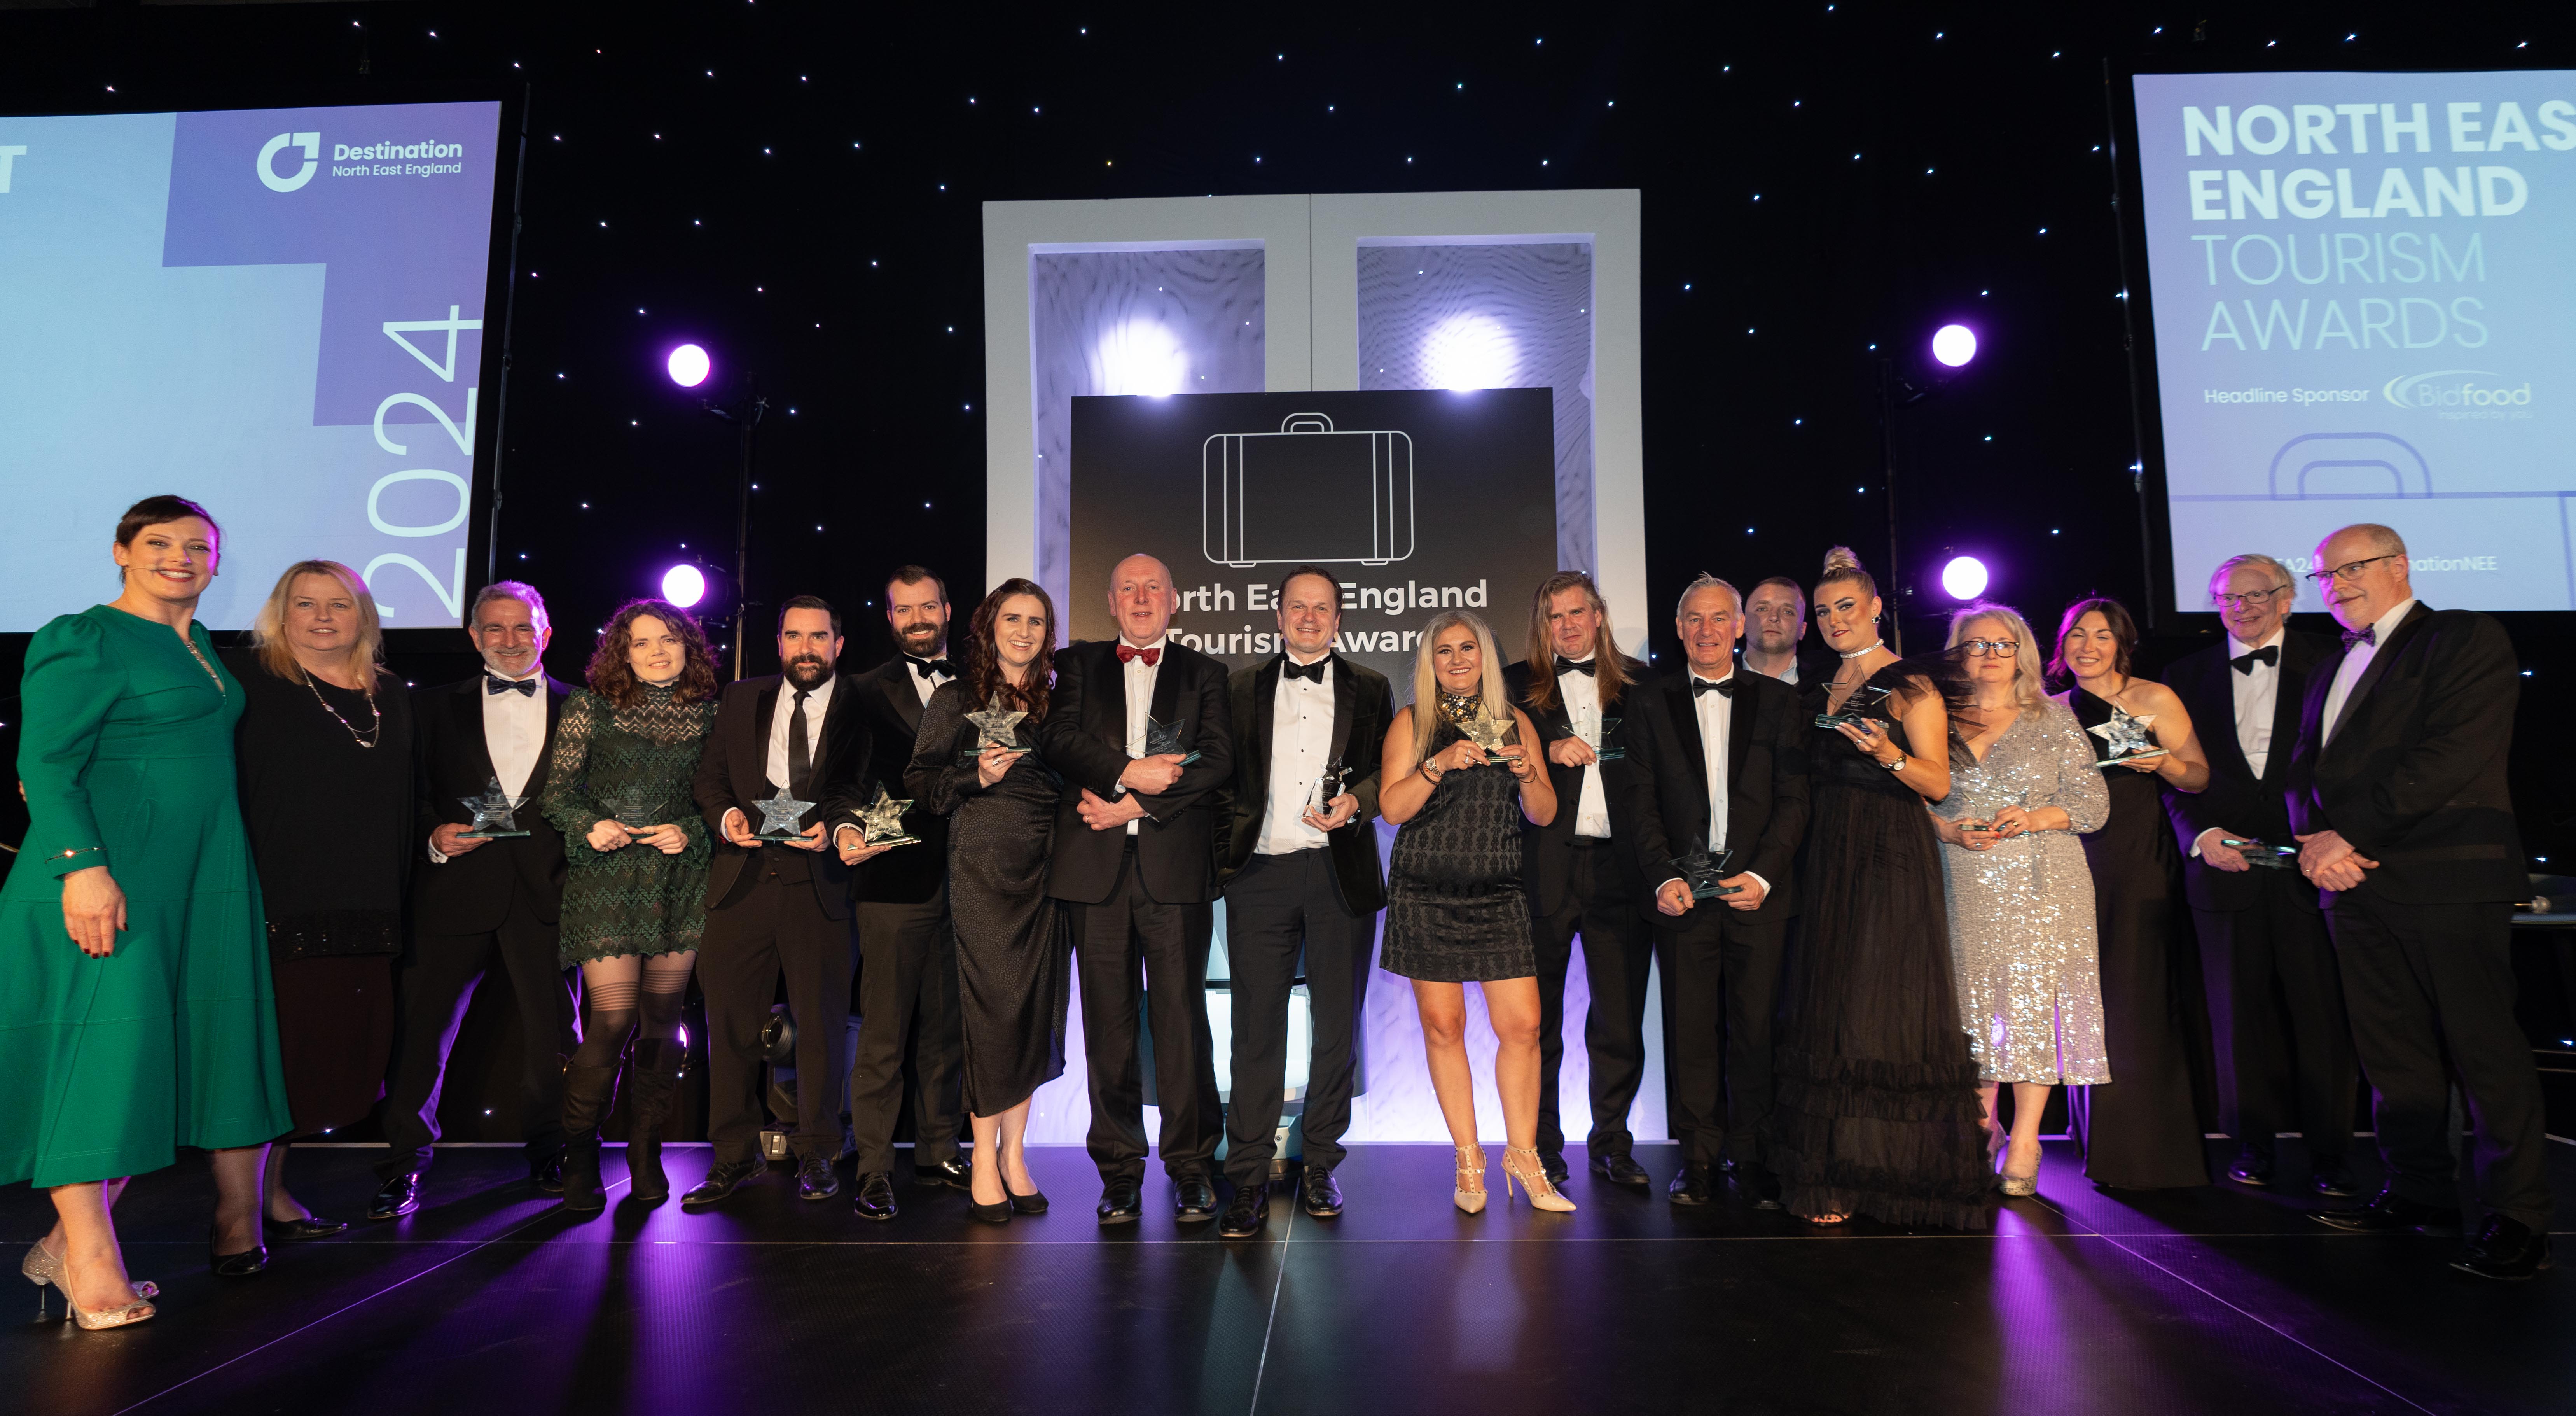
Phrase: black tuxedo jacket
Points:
(1547, 851)
(1659, 806)
(2415, 777)
(471, 892)
(733, 772)
(889, 711)
(1363, 703)
(1084, 738)
(2236, 800)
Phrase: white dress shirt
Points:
(817, 702)
(924, 687)
(2355, 660)
(1301, 745)
(1139, 677)
(1716, 714)
(2257, 695)
(1582, 694)
(514, 734)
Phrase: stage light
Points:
(1964, 578)
(1469, 352)
(686, 585)
(1140, 356)
(1954, 345)
(689, 366)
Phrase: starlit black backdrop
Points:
(798, 187)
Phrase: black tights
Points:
(619, 994)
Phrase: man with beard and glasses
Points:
(907, 950)
(779, 907)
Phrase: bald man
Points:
(1134, 860)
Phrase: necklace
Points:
(190, 640)
(1856, 653)
(374, 732)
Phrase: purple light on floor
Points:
(685, 585)
(689, 366)
(1964, 578)
(1954, 345)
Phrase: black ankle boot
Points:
(588, 1094)
(653, 1071)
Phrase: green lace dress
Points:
(635, 764)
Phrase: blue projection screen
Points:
(2365, 310)
(278, 313)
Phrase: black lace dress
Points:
(635, 764)
(1455, 910)
(1876, 1111)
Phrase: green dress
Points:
(107, 1066)
(636, 764)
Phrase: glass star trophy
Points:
(2266, 857)
(1596, 732)
(881, 821)
(1704, 873)
(1855, 708)
(995, 726)
(1486, 731)
(636, 807)
(494, 814)
(782, 817)
(2129, 739)
(1164, 740)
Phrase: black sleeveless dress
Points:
(2140, 1130)
(1455, 910)
(1876, 1109)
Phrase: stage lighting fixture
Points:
(1466, 352)
(1140, 356)
(1954, 345)
(689, 366)
(1964, 577)
(684, 585)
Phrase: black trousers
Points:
(1600, 904)
(433, 987)
(1721, 990)
(770, 928)
(1135, 954)
(907, 994)
(2425, 983)
(2276, 1006)
(1277, 908)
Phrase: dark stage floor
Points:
(2205, 1300)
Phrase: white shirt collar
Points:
(1578, 659)
(537, 672)
(2238, 648)
(2388, 621)
(1291, 656)
(1721, 678)
(1159, 641)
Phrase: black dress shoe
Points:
(1318, 1194)
(311, 1226)
(992, 1214)
(1692, 1185)
(1034, 1202)
(544, 1174)
(2390, 1213)
(2253, 1168)
(816, 1179)
(250, 1261)
(1121, 1202)
(723, 1178)
(400, 1196)
(1552, 1165)
(2335, 1181)
(876, 1196)
(2506, 1249)
(955, 1172)
(1621, 1168)
(1193, 1198)
(1246, 1214)
(1756, 1181)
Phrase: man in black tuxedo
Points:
(1301, 879)
(1717, 765)
(779, 908)
(1573, 682)
(1775, 635)
(1135, 861)
(2261, 936)
(475, 901)
(907, 951)
(2397, 793)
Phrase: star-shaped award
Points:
(493, 814)
(1703, 874)
(781, 817)
(995, 726)
(1867, 696)
(2129, 738)
(2268, 857)
(1486, 731)
(881, 821)
(1164, 740)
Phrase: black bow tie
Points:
(1313, 673)
(494, 683)
(1565, 665)
(1723, 688)
(2268, 654)
(2367, 634)
(930, 668)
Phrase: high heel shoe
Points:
(2020, 1186)
(41, 1268)
(1534, 1183)
(1471, 1183)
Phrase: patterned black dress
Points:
(1455, 910)
(631, 763)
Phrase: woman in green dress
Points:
(618, 788)
(135, 1012)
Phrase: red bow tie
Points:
(1128, 652)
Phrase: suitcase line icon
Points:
(1306, 493)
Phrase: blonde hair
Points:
(2029, 688)
(1609, 675)
(1426, 684)
(268, 629)
(1840, 565)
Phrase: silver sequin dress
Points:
(2021, 911)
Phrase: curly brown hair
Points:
(611, 677)
(984, 676)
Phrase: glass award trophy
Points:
(1704, 873)
(2266, 857)
(1164, 740)
(881, 821)
(2129, 738)
(495, 814)
(1319, 798)
(995, 726)
(1596, 732)
(1486, 731)
(782, 817)
(635, 807)
(1863, 698)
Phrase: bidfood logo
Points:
(2456, 390)
(311, 145)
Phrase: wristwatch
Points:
(1896, 766)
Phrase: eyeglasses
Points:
(1990, 648)
(2351, 570)
(2250, 597)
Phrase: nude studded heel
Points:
(1533, 1181)
(1471, 1182)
